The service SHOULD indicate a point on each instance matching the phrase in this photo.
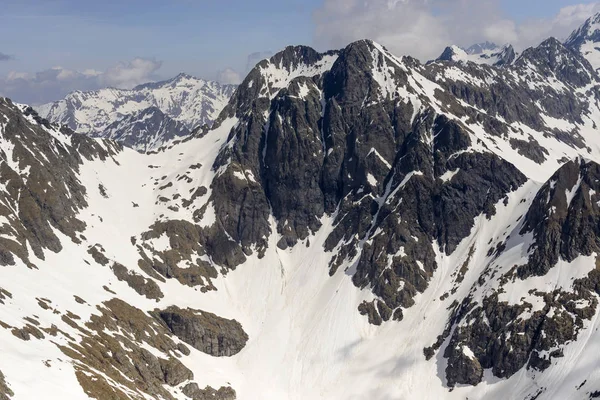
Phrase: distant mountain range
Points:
(482, 53)
(145, 117)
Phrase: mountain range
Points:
(176, 106)
(482, 53)
(353, 225)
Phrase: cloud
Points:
(560, 26)
(228, 76)
(55, 83)
(255, 58)
(131, 74)
(423, 28)
(232, 76)
(6, 57)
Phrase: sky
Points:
(52, 47)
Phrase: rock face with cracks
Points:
(204, 331)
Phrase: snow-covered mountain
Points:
(145, 130)
(482, 53)
(586, 40)
(354, 226)
(189, 101)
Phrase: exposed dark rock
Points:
(112, 345)
(462, 368)
(338, 142)
(28, 332)
(49, 195)
(205, 331)
(5, 392)
(4, 295)
(192, 391)
(503, 339)
(564, 217)
(530, 149)
(143, 286)
(97, 254)
(370, 310)
(189, 242)
(145, 130)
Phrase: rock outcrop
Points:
(5, 392)
(205, 331)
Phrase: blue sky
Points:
(203, 37)
(199, 36)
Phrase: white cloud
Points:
(422, 28)
(255, 58)
(560, 26)
(229, 76)
(131, 74)
(55, 83)
(14, 75)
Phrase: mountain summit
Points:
(482, 53)
(586, 40)
(184, 103)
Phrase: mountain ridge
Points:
(485, 53)
(187, 100)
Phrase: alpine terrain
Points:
(355, 225)
(145, 117)
(482, 53)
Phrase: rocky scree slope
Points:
(354, 224)
(145, 117)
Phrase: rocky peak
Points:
(590, 30)
(271, 75)
(449, 53)
(361, 70)
(480, 48)
(190, 101)
(506, 56)
(586, 39)
(414, 186)
(552, 58)
(292, 57)
(485, 53)
(181, 79)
